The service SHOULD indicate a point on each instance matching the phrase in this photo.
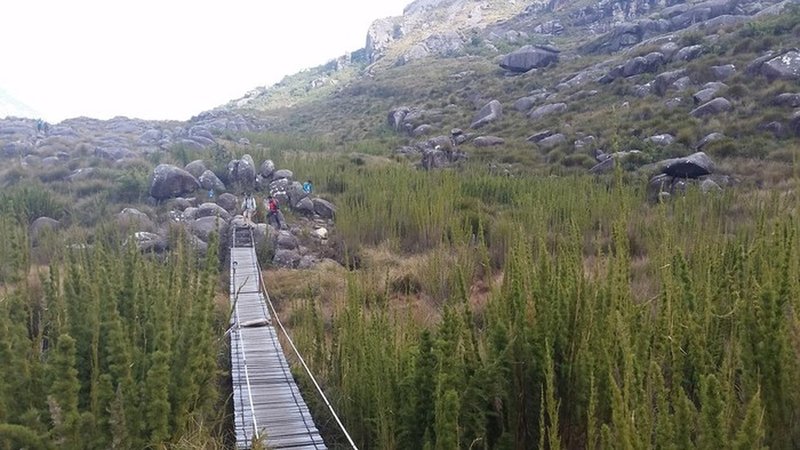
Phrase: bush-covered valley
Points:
(469, 310)
(506, 300)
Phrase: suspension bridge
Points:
(268, 406)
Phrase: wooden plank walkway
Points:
(267, 402)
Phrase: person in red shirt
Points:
(273, 211)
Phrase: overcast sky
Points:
(167, 59)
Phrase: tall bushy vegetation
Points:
(108, 348)
(615, 324)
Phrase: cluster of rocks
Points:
(530, 57)
(621, 25)
(169, 181)
(116, 140)
(674, 176)
(628, 29)
(606, 162)
(442, 150)
(199, 220)
(669, 177)
(707, 99)
(413, 121)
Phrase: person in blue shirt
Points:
(308, 187)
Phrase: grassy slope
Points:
(356, 110)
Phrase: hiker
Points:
(308, 187)
(273, 211)
(248, 207)
(211, 194)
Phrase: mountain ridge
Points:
(610, 64)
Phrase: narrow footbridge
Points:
(267, 403)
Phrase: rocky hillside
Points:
(541, 83)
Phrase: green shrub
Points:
(579, 160)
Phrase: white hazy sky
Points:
(167, 59)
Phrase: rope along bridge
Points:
(267, 402)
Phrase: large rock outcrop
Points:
(489, 113)
(673, 176)
(242, 173)
(530, 57)
(783, 67)
(169, 181)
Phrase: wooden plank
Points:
(265, 394)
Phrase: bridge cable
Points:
(240, 344)
(303, 362)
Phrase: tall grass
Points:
(107, 348)
(616, 324)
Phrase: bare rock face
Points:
(489, 113)
(404, 119)
(540, 135)
(324, 208)
(546, 110)
(283, 174)
(132, 217)
(267, 168)
(439, 156)
(169, 181)
(148, 242)
(525, 104)
(305, 206)
(665, 80)
(783, 67)
(422, 130)
(530, 57)
(675, 175)
(643, 64)
(212, 210)
(242, 173)
(723, 72)
(396, 117)
(692, 166)
(204, 226)
(228, 201)
(488, 141)
(196, 168)
(208, 181)
(552, 141)
(296, 193)
(715, 106)
(286, 258)
(709, 138)
(689, 53)
(380, 35)
(286, 241)
(708, 92)
(622, 36)
(445, 44)
(789, 99)
(661, 139)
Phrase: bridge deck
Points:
(267, 402)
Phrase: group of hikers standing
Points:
(249, 206)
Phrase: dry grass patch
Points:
(327, 283)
